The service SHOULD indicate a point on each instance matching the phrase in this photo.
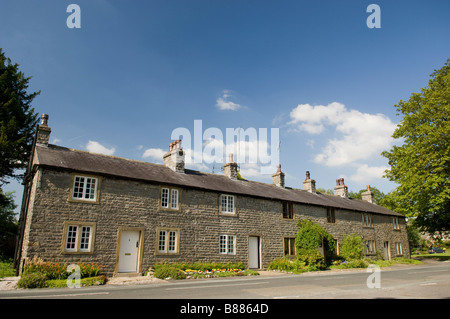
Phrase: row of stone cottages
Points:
(128, 215)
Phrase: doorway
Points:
(129, 251)
(254, 244)
(387, 251)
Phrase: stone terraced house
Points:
(128, 215)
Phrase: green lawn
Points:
(441, 256)
(6, 269)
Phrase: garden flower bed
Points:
(200, 270)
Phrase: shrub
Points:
(312, 258)
(58, 271)
(352, 247)
(346, 264)
(33, 280)
(288, 265)
(165, 271)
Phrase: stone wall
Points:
(135, 204)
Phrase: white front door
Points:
(253, 252)
(128, 253)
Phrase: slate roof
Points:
(76, 160)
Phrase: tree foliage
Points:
(8, 224)
(421, 165)
(17, 119)
(377, 194)
(352, 247)
(308, 239)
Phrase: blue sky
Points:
(137, 70)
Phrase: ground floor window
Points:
(227, 244)
(168, 241)
(289, 246)
(78, 237)
(398, 249)
(370, 246)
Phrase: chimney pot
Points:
(341, 189)
(309, 184)
(278, 177)
(44, 119)
(174, 158)
(368, 195)
(230, 168)
(43, 131)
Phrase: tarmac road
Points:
(431, 280)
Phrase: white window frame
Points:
(227, 244)
(395, 223)
(165, 197)
(170, 198)
(78, 237)
(168, 241)
(84, 193)
(227, 205)
(174, 194)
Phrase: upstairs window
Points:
(84, 188)
(331, 215)
(170, 198)
(367, 220)
(227, 204)
(395, 223)
(288, 210)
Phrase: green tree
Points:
(17, 119)
(8, 224)
(377, 194)
(421, 164)
(325, 191)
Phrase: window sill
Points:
(83, 201)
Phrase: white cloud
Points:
(96, 147)
(223, 104)
(154, 153)
(359, 136)
(365, 173)
(311, 118)
(56, 141)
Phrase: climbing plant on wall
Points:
(310, 237)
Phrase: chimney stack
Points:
(368, 195)
(309, 184)
(174, 158)
(341, 189)
(43, 131)
(230, 168)
(278, 177)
